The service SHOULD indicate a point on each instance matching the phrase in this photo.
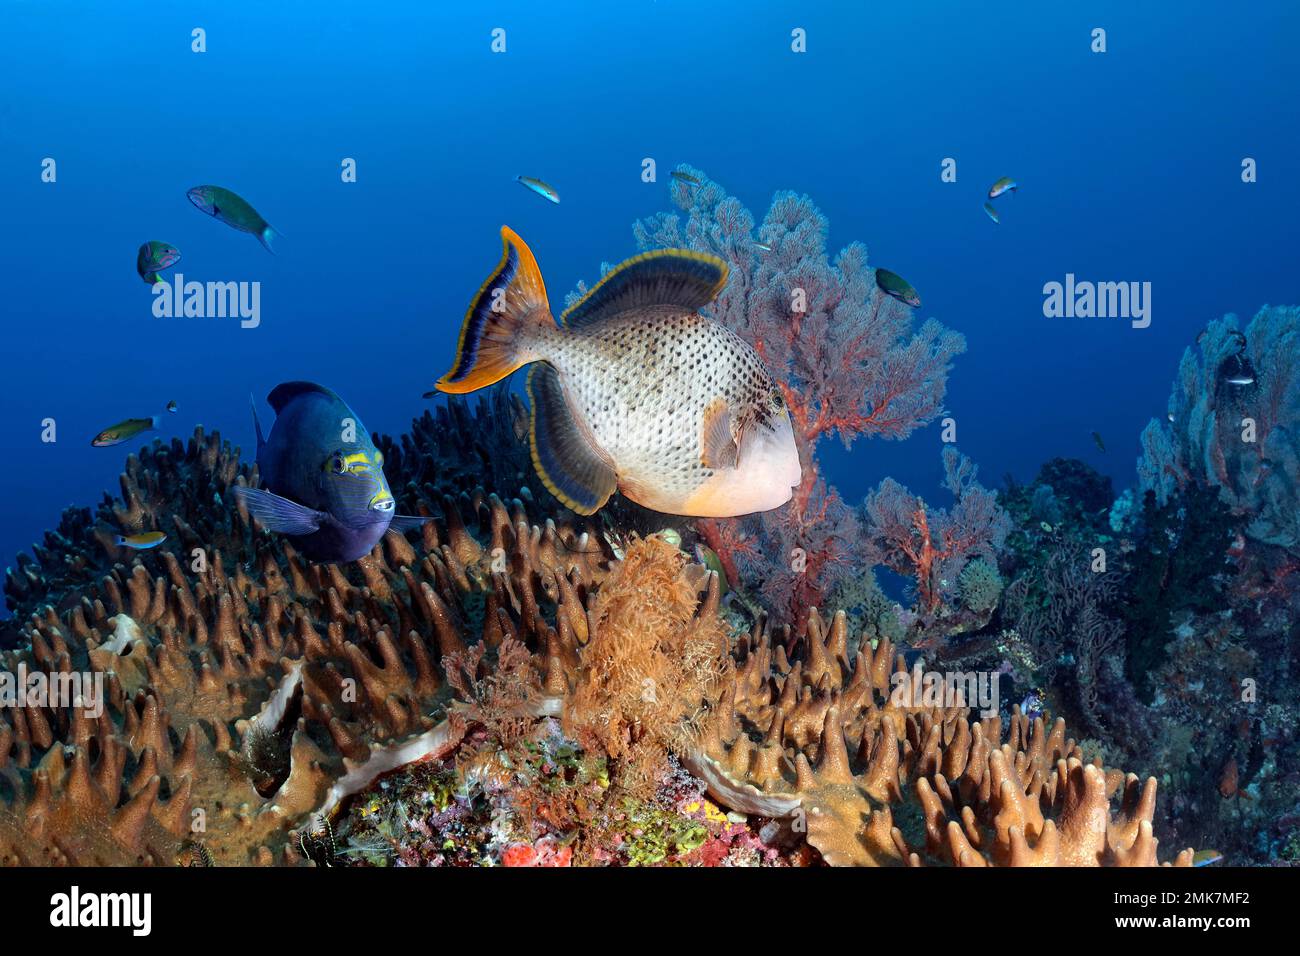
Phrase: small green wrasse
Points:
(153, 257)
(1004, 185)
(633, 390)
(140, 542)
(1206, 857)
(224, 206)
(542, 189)
(123, 431)
(892, 284)
(992, 213)
(685, 178)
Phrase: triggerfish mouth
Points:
(224, 206)
(324, 477)
(633, 390)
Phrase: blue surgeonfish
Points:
(324, 478)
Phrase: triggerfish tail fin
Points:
(268, 237)
(278, 514)
(257, 424)
(495, 337)
(570, 465)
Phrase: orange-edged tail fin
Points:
(494, 339)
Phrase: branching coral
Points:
(932, 545)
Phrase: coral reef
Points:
(933, 546)
(1234, 424)
(506, 689)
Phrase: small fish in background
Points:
(1096, 440)
(224, 206)
(124, 430)
(686, 178)
(892, 284)
(763, 246)
(1206, 857)
(542, 189)
(700, 429)
(1034, 703)
(709, 558)
(140, 542)
(992, 213)
(1004, 185)
(153, 257)
(171, 407)
(1237, 370)
(324, 480)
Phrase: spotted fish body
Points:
(634, 390)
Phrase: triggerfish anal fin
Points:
(571, 467)
(493, 337)
(279, 514)
(677, 277)
(718, 448)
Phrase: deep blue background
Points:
(1129, 164)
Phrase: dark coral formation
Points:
(250, 694)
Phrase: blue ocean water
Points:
(1129, 164)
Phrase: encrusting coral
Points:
(250, 695)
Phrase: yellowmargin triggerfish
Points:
(633, 390)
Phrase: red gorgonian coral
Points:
(847, 357)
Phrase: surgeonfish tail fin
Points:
(498, 332)
(257, 424)
(267, 237)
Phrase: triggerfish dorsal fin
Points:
(286, 392)
(569, 463)
(680, 277)
(494, 338)
(257, 423)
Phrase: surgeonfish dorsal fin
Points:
(680, 277)
(286, 392)
(257, 423)
(570, 465)
(718, 448)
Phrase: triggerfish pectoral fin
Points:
(494, 339)
(571, 467)
(279, 514)
(404, 523)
